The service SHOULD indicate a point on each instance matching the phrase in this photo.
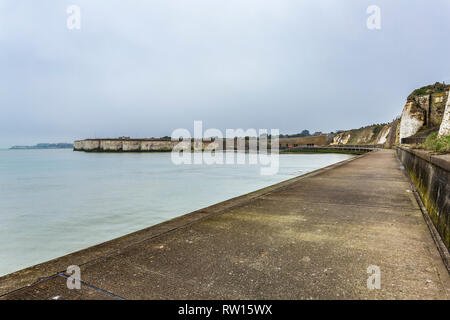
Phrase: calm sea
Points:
(53, 202)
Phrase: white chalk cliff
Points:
(444, 129)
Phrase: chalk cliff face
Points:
(427, 110)
(384, 133)
(118, 145)
(380, 134)
(341, 138)
(424, 110)
(444, 129)
(134, 145)
(411, 121)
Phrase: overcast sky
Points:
(145, 68)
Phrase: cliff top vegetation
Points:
(430, 89)
(437, 144)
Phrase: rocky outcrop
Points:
(424, 110)
(379, 134)
(341, 138)
(444, 129)
(412, 120)
(383, 135)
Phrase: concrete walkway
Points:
(312, 237)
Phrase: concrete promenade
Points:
(311, 237)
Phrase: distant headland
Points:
(45, 146)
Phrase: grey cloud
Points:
(144, 68)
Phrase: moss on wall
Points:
(432, 184)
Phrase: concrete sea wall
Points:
(431, 176)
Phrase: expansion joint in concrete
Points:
(93, 287)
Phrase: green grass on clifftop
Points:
(434, 143)
(430, 89)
